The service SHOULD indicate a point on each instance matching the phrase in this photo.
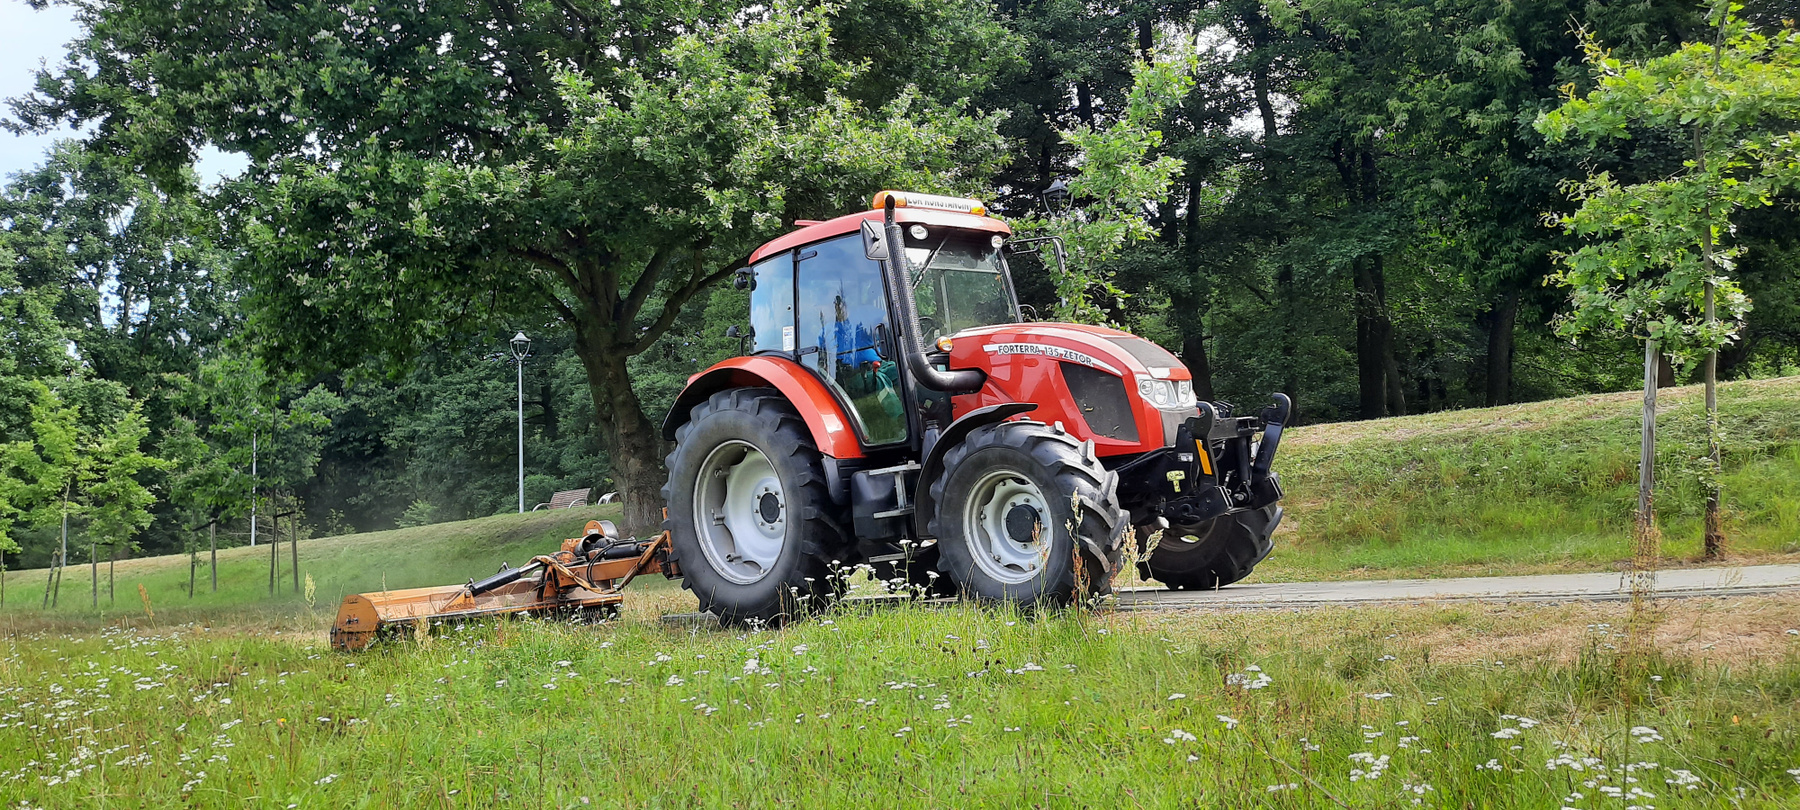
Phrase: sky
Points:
(28, 40)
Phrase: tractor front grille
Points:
(1102, 400)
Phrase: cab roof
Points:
(850, 223)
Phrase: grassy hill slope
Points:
(1540, 487)
(402, 558)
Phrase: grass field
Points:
(1456, 706)
(1541, 487)
(232, 699)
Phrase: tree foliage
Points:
(1341, 200)
(1120, 174)
(1654, 246)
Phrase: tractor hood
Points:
(1126, 394)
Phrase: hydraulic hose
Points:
(899, 278)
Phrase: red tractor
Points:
(892, 408)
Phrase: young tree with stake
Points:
(1659, 255)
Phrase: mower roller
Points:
(584, 579)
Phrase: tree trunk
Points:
(1375, 367)
(94, 573)
(633, 444)
(294, 546)
(274, 548)
(1647, 444)
(1259, 71)
(50, 581)
(212, 542)
(1501, 320)
(1396, 385)
(1190, 305)
(1193, 355)
(1646, 543)
(1288, 303)
(1714, 540)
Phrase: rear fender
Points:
(825, 418)
(951, 437)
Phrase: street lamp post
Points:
(521, 349)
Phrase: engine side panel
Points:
(1026, 363)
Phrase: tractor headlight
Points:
(1157, 392)
(1167, 394)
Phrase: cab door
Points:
(845, 336)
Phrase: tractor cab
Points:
(819, 299)
(890, 406)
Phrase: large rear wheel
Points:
(1026, 514)
(750, 519)
(1216, 553)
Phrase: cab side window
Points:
(772, 304)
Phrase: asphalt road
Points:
(1673, 584)
(1688, 582)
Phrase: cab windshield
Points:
(959, 281)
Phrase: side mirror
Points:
(744, 279)
(875, 245)
(742, 336)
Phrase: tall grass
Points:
(909, 707)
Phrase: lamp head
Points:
(1056, 197)
(521, 346)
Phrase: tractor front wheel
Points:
(1026, 514)
(750, 518)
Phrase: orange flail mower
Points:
(585, 579)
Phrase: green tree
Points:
(1659, 253)
(1120, 172)
(422, 168)
(83, 463)
(109, 276)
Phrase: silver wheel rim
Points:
(1011, 555)
(740, 512)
